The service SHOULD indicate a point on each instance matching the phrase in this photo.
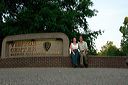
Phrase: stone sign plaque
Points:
(35, 48)
(35, 45)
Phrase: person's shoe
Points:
(82, 66)
(86, 65)
(74, 66)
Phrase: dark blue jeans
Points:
(75, 57)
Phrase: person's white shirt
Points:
(73, 46)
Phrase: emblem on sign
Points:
(47, 46)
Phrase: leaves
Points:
(109, 49)
(124, 30)
(35, 16)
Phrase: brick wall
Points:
(36, 62)
(108, 62)
(94, 62)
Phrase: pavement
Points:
(63, 76)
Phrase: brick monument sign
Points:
(40, 49)
(35, 45)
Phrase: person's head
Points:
(74, 40)
(81, 38)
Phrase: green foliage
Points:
(110, 50)
(40, 16)
(124, 41)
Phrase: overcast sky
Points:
(109, 19)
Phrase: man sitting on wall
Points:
(83, 52)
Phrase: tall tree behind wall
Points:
(41, 16)
(124, 31)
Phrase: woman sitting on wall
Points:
(74, 52)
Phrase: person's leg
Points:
(85, 60)
(73, 59)
(76, 57)
(81, 59)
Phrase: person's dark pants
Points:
(75, 57)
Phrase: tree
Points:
(109, 50)
(35, 16)
(124, 31)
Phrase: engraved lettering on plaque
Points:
(47, 45)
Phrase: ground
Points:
(63, 76)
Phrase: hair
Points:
(81, 36)
(72, 40)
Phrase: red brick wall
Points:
(94, 61)
(36, 62)
(108, 62)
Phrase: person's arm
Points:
(86, 47)
(78, 47)
(71, 48)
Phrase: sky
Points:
(110, 17)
